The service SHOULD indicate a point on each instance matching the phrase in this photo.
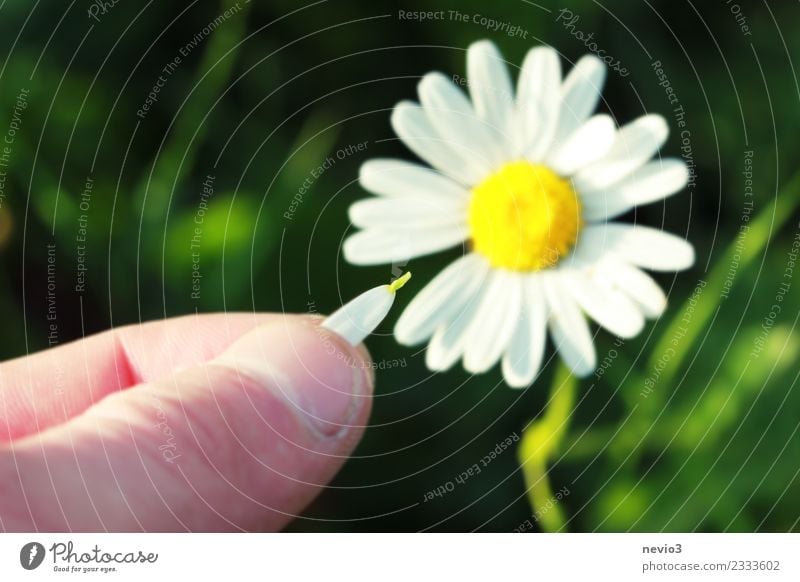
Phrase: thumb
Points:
(242, 442)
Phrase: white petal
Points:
(639, 286)
(635, 143)
(538, 101)
(609, 307)
(441, 299)
(414, 128)
(586, 144)
(449, 339)
(377, 246)
(569, 328)
(451, 113)
(525, 351)
(387, 177)
(414, 211)
(643, 246)
(651, 182)
(580, 94)
(490, 87)
(494, 322)
(358, 318)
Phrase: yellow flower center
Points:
(524, 217)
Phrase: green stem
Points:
(541, 440)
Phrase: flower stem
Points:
(541, 440)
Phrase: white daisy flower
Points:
(528, 183)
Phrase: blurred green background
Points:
(278, 87)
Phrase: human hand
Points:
(199, 423)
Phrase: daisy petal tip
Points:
(652, 307)
(481, 49)
(350, 250)
(481, 44)
(580, 366)
(684, 256)
(658, 310)
(584, 369)
(399, 117)
(592, 67)
(684, 170)
(354, 213)
(633, 330)
(365, 172)
(657, 124)
(435, 362)
(690, 257)
(543, 51)
(403, 330)
(402, 336)
(517, 383)
(475, 365)
(430, 82)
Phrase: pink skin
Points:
(222, 422)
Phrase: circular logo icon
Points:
(31, 555)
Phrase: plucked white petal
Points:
(414, 128)
(569, 328)
(523, 357)
(643, 246)
(586, 144)
(451, 113)
(611, 308)
(377, 246)
(580, 94)
(397, 178)
(441, 300)
(414, 211)
(494, 322)
(449, 339)
(538, 102)
(490, 87)
(653, 181)
(634, 145)
(358, 318)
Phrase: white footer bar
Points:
(389, 557)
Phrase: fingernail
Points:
(325, 382)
